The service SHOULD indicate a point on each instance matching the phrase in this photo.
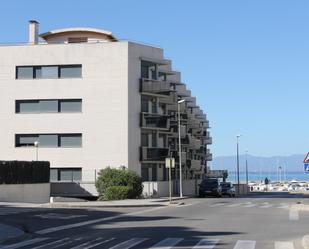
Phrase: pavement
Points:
(10, 232)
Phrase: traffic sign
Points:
(170, 162)
(306, 168)
(306, 160)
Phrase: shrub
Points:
(119, 177)
(118, 193)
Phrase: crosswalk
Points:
(262, 205)
(143, 243)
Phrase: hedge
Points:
(109, 177)
(118, 193)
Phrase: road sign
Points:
(170, 162)
(306, 168)
(306, 160)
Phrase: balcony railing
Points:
(194, 164)
(208, 140)
(153, 154)
(209, 157)
(155, 86)
(155, 121)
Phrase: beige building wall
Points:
(103, 89)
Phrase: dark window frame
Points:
(34, 76)
(37, 135)
(37, 101)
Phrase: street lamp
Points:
(238, 182)
(179, 144)
(36, 145)
(247, 167)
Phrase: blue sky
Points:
(246, 61)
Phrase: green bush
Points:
(118, 193)
(109, 177)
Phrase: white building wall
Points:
(136, 52)
(103, 89)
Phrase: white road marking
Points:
(206, 244)
(283, 205)
(99, 243)
(266, 205)
(51, 243)
(90, 222)
(234, 205)
(217, 204)
(293, 214)
(245, 244)
(89, 244)
(24, 243)
(58, 216)
(284, 245)
(129, 243)
(167, 243)
(249, 205)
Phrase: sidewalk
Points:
(119, 203)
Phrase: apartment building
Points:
(84, 100)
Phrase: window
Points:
(77, 39)
(71, 71)
(70, 105)
(49, 140)
(144, 139)
(148, 70)
(65, 174)
(49, 72)
(48, 106)
(70, 140)
(24, 72)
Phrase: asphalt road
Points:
(262, 221)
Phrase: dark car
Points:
(228, 189)
(210, 186)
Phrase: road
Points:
(261, 221)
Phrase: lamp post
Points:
(238, 182)
(36, 145)
(179, 144)
(247, 180)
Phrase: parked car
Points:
(210, 186)
(228, 189)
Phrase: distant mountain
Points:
(293, 163)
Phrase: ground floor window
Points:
(149, 172)
(65, 174)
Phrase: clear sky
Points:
(246, 61)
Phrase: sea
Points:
(273, 176)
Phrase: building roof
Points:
(79, 29)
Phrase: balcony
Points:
(155, 121)
(208, 140)
(153, 154)
(194, 164)
(193, 123)
(195, 143)
(155, 86)
(209, 157)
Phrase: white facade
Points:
(109, 88)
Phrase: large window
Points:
(49, 140)
(49, 72)
(48, 105)
(65, 174)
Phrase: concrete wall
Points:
(31, 193)
(73, 189)
(243, 189)
(161, 188)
